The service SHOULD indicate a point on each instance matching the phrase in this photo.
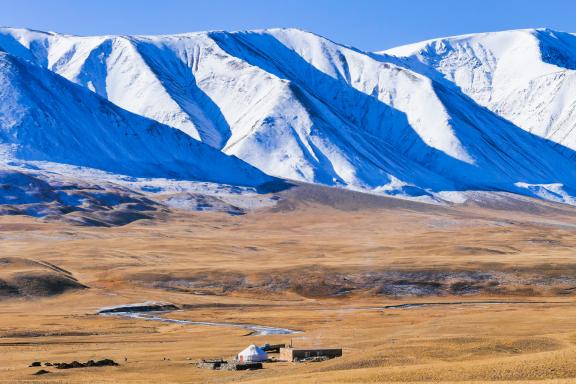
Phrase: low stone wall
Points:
(224, 365)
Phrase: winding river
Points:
(154, 312)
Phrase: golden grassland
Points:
(518, 341)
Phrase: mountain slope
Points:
(44, 117)
(302, 107)
(525, 76)
(443, 130)
(264, 119)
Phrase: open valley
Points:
(498, 288)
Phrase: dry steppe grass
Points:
(305, 266)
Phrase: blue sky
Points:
(366, 24)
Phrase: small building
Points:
(298, 354)
(252, 354)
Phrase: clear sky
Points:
(366, 24)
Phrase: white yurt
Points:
(252, 354)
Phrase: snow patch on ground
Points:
(553, 192)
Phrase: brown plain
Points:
(307, 248)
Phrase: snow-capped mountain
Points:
(457, 114)
(525, 76)
(44, 117)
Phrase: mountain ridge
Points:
(299, 106)
(44, 117)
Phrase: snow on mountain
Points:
(267, 120)
(525, 76)
(44, 117)
(467, 113)
(434, 125)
